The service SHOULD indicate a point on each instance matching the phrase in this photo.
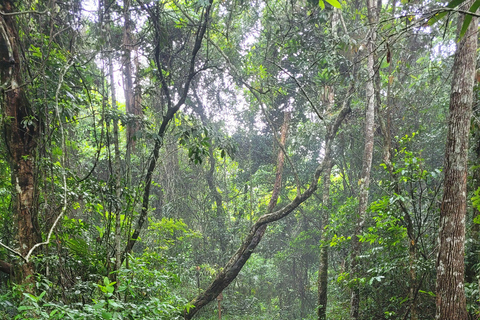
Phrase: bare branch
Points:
(15, 252)
(23, 12)
(314, 107)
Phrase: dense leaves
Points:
(155, 130)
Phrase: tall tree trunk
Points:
(367, 158)
(137, 106)
(323, 267)
(450, 298)
(128, 87)
(117, 161)
(329, 100)
(21, 137)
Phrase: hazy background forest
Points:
(277, 159)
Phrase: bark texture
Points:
(117, 161)
(367, 158)
(450, 298)
(329, 101)
(128, 86)
(21, 136)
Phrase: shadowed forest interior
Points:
(231, 159)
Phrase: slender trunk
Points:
(367, 159)
(323, 268)
(128, 86)
(450, 298)
(329, 100)
(280, 163)
(217, 197)
(412, 249)
(137, 106)
(116, 173)
(21, 132)
(116, 164)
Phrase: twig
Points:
(13, 251)
(23, 12)
(301, 89)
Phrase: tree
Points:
(202, 193)
(367, 156)
(21, 128)
(450, 299)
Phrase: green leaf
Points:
(476, 220)
(468, 18)
(334, 3)
(41, 295)
(106, 315)
(22, 308)
(321, 4)
(438, 16)
(31, 297)
(114, 304)
(430, 293)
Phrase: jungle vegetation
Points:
(231, 159)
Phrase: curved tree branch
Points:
(251, 241)
(172, 109)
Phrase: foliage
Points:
(191, 167)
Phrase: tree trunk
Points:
(367, 159)
(329, 100)
(236, 263)
(128, 87)
(238, 260)
(450, 298)
(323, 268)
(217, 197)
(21, 137)
(167, 117)
(117, 162)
